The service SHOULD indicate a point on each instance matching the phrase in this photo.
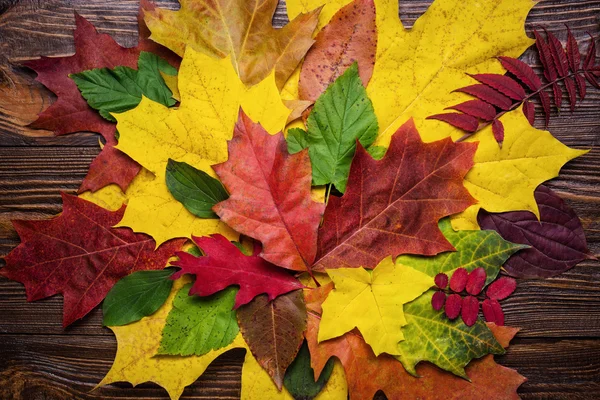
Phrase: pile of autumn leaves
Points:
(315, 250)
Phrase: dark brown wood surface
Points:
(558, 349)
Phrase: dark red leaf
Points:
(110, 166)
(572, 92)
(498, 131)
(558, 54)
(557, 95)
(545, 57)
(503, 84)
(437, 300)
(458, 281)
(529, 111)
(581, 85)
(487, 94)
(557, 239)
(461, 121)
(522, 71)
(501, 288)
(591, 79)
(492, 311)
(590, 58)
(441, 280)
(545, 101)
(224, 265)
(476, 281)
(573, 51)
(469, 310)
(453, 305)
(476, 108)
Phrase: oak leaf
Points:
(270, 198)
(224, 265)
(240, 29)
(80, 255)
(372, 301)
(392, 206)
(366, 374)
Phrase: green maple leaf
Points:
(197, 325)
(120, 89)
(342, 115)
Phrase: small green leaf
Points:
(195, 189)
(136, 296)
(297, 140)
(340, 116)
(377, 152)
(197, 325)
(120, 89)
(299, 378)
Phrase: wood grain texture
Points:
(558, 349)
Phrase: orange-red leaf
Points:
(270, 195)
(392, 206)
(349, 37)
(80, 255)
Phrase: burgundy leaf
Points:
(487, 94)
(545, 100)
(557, 240)
(437, 300)
(469, 310)
(558, 54)
(529, 111)
(591, 79)
(492, 311)
(498, 131)
(522, 71)
(545, 57)
(590, 58)
(458, 281)
(501, 288)
(476, 281)
(461, 121)
(476, 108)
(581, 85)
(503, 84)
(573, 51)
(453, 305)
(441, 280)
(572, 92)
(557, 95)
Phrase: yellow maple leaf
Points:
(372, 302)
(136, 362)
(196, 133)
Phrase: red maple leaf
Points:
(71, 113)
(270, 195)
(393, 206)
(80, 255)
(367, 374)
(224, 265)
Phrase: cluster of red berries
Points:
(468, 306)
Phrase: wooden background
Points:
(558, 348)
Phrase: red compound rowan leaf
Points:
(501, 288)
(80, 255)
(392, 206)
(487, 94)
(225, 265)
(503, 84)
(469, 310)
(529, 111)
(462, 121)
(498, 131)
(458, 281)
(441, 280)
(437, 300)
(492, 311)
(521, 71)
(476, 108)
(453, 306)
(476, 281)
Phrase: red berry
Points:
(441, 280)
(476, 281)
(459, 280)
(501, 288)
(452, 307)
(438, 300)
(469, 310)
(492, 311)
